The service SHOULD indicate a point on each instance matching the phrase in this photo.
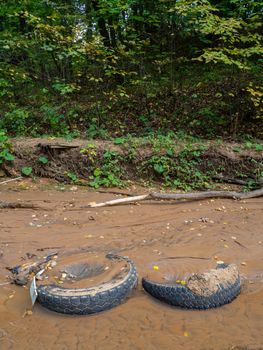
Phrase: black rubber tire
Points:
(182, 296)
(90, 300)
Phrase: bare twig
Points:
(178, 196)
(240, 244)
(185, 257)
(117, 193)
(10, 180)
(15, 205)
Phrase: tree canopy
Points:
(129, 65)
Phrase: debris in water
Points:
(27, 313)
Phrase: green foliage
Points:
(5, 148)
(181, 170)
(130, 66)
(109, 173)
(43, 160)
(16, 121)
(27, 170)
(73, 177)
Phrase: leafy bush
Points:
(5, 148)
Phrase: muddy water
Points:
(171, 236)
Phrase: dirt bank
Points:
(149, 233)
(169, 162)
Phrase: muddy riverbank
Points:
(149, 233)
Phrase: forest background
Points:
(102, 69)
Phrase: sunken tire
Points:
(190, 298)
(91, 300)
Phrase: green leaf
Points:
(73, 177)
(9, 156)
(119, 140)
(97, 172)
(26, 170)
(43, 160)
(170, 152)
(159, 168)
(258, 147)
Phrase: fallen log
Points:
(179, 196)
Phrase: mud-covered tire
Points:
(182, 296)
(90, 300)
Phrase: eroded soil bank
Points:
(148, 233)
(182, 164)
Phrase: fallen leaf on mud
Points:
(88, 236)
(234, 237)
(155, 267)
(101, 236)
(243, 263)
(226, 246)
(186, 334)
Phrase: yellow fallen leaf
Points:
(155, 267)
(186, 334)
(183, 282)
(226, 246)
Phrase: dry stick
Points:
(117, 193)
(167, 196)
(10, 180)
(117, 201)
(240, 244)
(15, 205)
(185, 257)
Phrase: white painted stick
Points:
(119, 200)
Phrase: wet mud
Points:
(167, 241)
